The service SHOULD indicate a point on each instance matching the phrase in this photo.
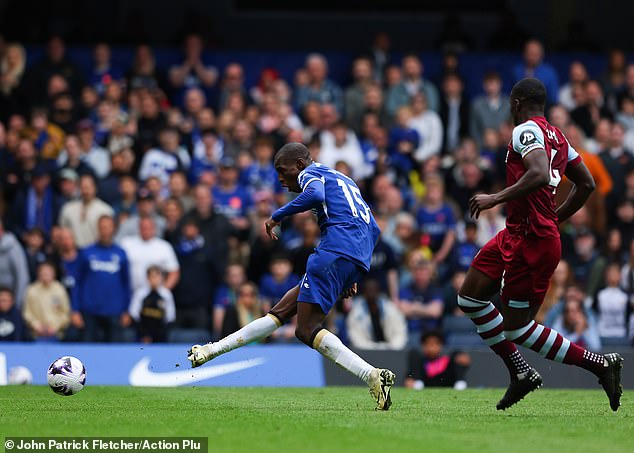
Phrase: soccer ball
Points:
(19, 375)
(66, 376)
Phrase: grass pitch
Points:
(327, 419)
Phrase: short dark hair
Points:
(340, 124)
(410, 54)
(89, 176)
(281, 256)
(263, 140)
(432, 334)
(105, 217)
(492, 75)
(530, 91)
(50, 264)
(6, 289)
(153, 268)
(209, 131)
(291, 152)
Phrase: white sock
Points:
(329, 345)
(255, 330)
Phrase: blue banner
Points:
(167, 365)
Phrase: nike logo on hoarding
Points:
(142, 376)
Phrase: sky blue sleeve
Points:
(313, 195)
(527, 137)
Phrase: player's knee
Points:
(467, 304)
(461, 305)
(517, 331)
(280, 315)
(304, 335)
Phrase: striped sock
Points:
(490, 326)
(551, 345)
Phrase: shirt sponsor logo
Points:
(527, 138)
(113, 266)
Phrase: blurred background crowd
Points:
(134, 195)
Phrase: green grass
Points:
(327, 419)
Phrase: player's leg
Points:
(310, 331)
(481, 283)
(310, 318)
(256, 330)
(520, 327)
(550, 344)
(490, 326)
(327, 275)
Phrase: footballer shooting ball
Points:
(66, 376)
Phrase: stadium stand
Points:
(173, 135)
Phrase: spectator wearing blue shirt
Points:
(227, 293)
(436, 219)
(192, 72)
(11, 323)
(231, 198)
(384, 269)
(199, 274)
(533, 66)
(421, 302)
(103, 71)
(126, 206)
(103, 288)
(35, 250)
(232, 85)
(35, 206)
(66, 257)
(466, 250)
(277, 281)
(54, 62)
(165, 159)
(205, 161)
(319, 89)
(572, 318)
(586, 262)
(403, 141)
(109, 186)
(261, 174)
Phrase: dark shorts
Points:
(327, 276)
(523, 264)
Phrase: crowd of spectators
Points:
(134, 198)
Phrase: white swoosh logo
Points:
(142, 376)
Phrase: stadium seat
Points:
(614, 341)
(464, 339)
(188, 336)
(460, 331)
(457, 324)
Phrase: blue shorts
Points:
(327, 276)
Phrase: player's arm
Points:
(583, 186)
(392, 285)
(537, 175)
(446, 247)
(313, 195)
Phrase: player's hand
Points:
(270, 224)
(125, 320)
(352, 291)
(77, 320)
(481, 202)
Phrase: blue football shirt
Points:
(347, 225)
